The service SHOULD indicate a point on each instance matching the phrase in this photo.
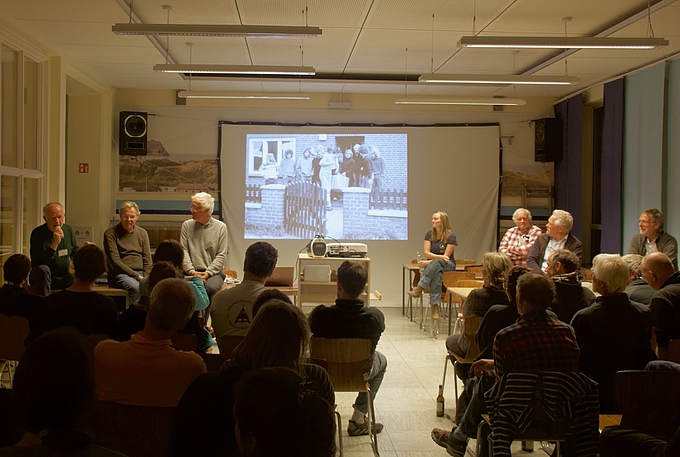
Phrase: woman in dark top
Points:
(278, 337)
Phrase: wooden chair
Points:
(470, 326)
(476, 283)
(227, 344)
(451, 279)
(13, 332)
(476, 269)
(185, 342)
(136, 431)
(347, 358)
(465, 262)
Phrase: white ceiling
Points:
(360, 37)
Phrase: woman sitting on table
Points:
(438, 250)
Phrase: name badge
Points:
(62, 252)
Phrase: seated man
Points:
(128, 252)
(349, 318)
(652, 237)
(557, 236)
(658, 271)
(232, 309)
(537, 342)
(15, 300)
(637, 289)
(570, 296)
(147, 371)
(518, 240)
(204, 239)
(613, 333)
(621, 441)
(52, 246)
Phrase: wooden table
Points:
(411, 268)
(461, 292)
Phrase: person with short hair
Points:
(637, 289)
(53, 244)
(269, 294)
(557, 236)
(570, 295)
(128, 252)
(232, 309)
(614, 332)
(287, 169)
(658, 271)
(15, 298)
(350, 318)
(147, 370)
(518, 240)
(652, 237)
(204, 240)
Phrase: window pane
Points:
(31, 213)
(9, 107)
(8, 191)
(31, 113)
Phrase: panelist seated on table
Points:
(518, 240)
(557, 236)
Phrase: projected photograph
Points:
(341, 186)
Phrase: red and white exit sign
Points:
(83, 167)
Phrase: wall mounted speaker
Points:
(548, 140)
(133, 132)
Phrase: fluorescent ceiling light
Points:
(208, 30)
(245, 96)
(560, 42)
(488, 101)
(500, 79)
(235, 69)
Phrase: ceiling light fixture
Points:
(235, 69)
(244, 96)
(532, 80)
(215, 30)
(488, 101)
(560, 42)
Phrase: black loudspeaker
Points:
(548, 140)
(133, 131)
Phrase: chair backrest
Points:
(450, 279)
(185, 342)
(136, 431)
(227, 344)
(476, 283)
(13, 333)
(347, 359)
(470, 326)
(649, 401)
(474, 268)
(466, 262)
(673, 350)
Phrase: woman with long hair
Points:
(438, 247)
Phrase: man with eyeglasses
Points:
(556, 237)
(652, 237)
(518, 240)
(204, 239)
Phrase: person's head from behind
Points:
(260, 259)
(656, 269)
(54, 383)
(495, 267)
(278, 337)
(352, 278)
(170, 251)
(511, 281)
(535, 292)
(16, 269)
(89, 263)
(269, 294)
(634, 262)
(610, 274)
(561, 262)
(171, 304)
(160, 271)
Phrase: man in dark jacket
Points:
(570, 295)
(658, 271)
(556, 237)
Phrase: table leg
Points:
(403, 291)
(450, 312)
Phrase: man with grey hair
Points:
(637, 289)
(204, 239)
(658, 271)
(128, 252)
(518, 240)
(147, 371)
(557, 236)
(614, 332)
(652, 237)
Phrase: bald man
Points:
(658, 271)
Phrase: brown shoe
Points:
(416, 292)
(435, 312)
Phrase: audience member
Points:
(15, 299)
(269, 294)
(232, 309)
(518, 240)
(658, 271)
(52, 246)
(621, 441)
(128, 252)
(279, 337)
(147, 371)
(54, 385)
(79, 305)
(537, 342)
(350, 318)
(570, 295)
(637, 289)
(557, 236)
(204, 239)
(614, 333)
(652, 237)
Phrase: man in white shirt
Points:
(556, 237)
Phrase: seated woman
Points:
(15, 297)
(438, 250)
(278, 337)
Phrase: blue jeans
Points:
(467, 427)
(128, 284)
(374, 378)
(432, 277)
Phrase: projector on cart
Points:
(349, 250)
